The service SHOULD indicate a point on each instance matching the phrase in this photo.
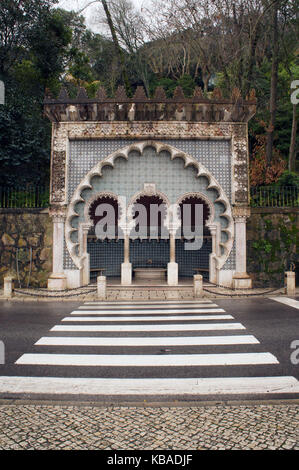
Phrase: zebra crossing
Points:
(153, 349)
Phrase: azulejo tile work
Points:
(191, 149)
(221, 427)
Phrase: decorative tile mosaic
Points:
(153, 254)
(170, 177)
(213, 154)
(189, 260)
(107, 255)
(149, 253)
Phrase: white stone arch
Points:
(149, 189)
(74, 247)
(202, 196)
(97, 196)
(216, 260)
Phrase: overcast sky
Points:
(77, 5)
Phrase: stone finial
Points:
(178, 93)
(48, 94)
(101, 94)
(217, 94)
(63, 94)
(252, 95)
(82, 95)
(198, 93)
(236, 94)
(140, 94)
(160, 94)
(121, 94)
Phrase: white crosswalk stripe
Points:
(135, 318)
(143, 360)
(164, 327)
(148, 325)
(285, 300)
(146, 341)
(146, 312)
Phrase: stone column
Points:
(172, 267)
(213, 255)
(241, 280)
(85, 258)
(126, 267)
(57, 280)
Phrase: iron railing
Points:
(37, 197)
(274, 196)
(30, 197)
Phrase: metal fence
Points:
(274, 196)
(37, 197)
(30, 197)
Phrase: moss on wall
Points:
(272, 241)
(22, 231)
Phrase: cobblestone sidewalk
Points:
(256, 427)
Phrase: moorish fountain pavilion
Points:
(167, 151)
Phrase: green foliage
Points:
(186, 82)
(257, 126)
(24, 139)
(274, 250)
(167, 83)
(49, 40)
(92, 88)
(27, 68)
(80, 67)
(45, 47)
(288, 178)
(103, 62)
(18, 18)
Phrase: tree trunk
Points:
(292, 154)
(206, 78)
(274, 79)
(118, 48)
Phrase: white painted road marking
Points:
(193, 386)
(147, 341)
(136, 318)
(144, 360)
(285, 300)
(168, 327)
(145, 308)
(149, 304)
(146, 312)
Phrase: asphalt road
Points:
(274, 325)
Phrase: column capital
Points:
(212, 228)
(241, 213)
(85, 227)
(58, 213)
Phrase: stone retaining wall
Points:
(20, 231)
(277, 246)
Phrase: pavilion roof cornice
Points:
(159, 107)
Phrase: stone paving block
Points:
(183, 428)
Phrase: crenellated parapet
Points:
(198, 108)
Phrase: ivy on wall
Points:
(273, 249)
